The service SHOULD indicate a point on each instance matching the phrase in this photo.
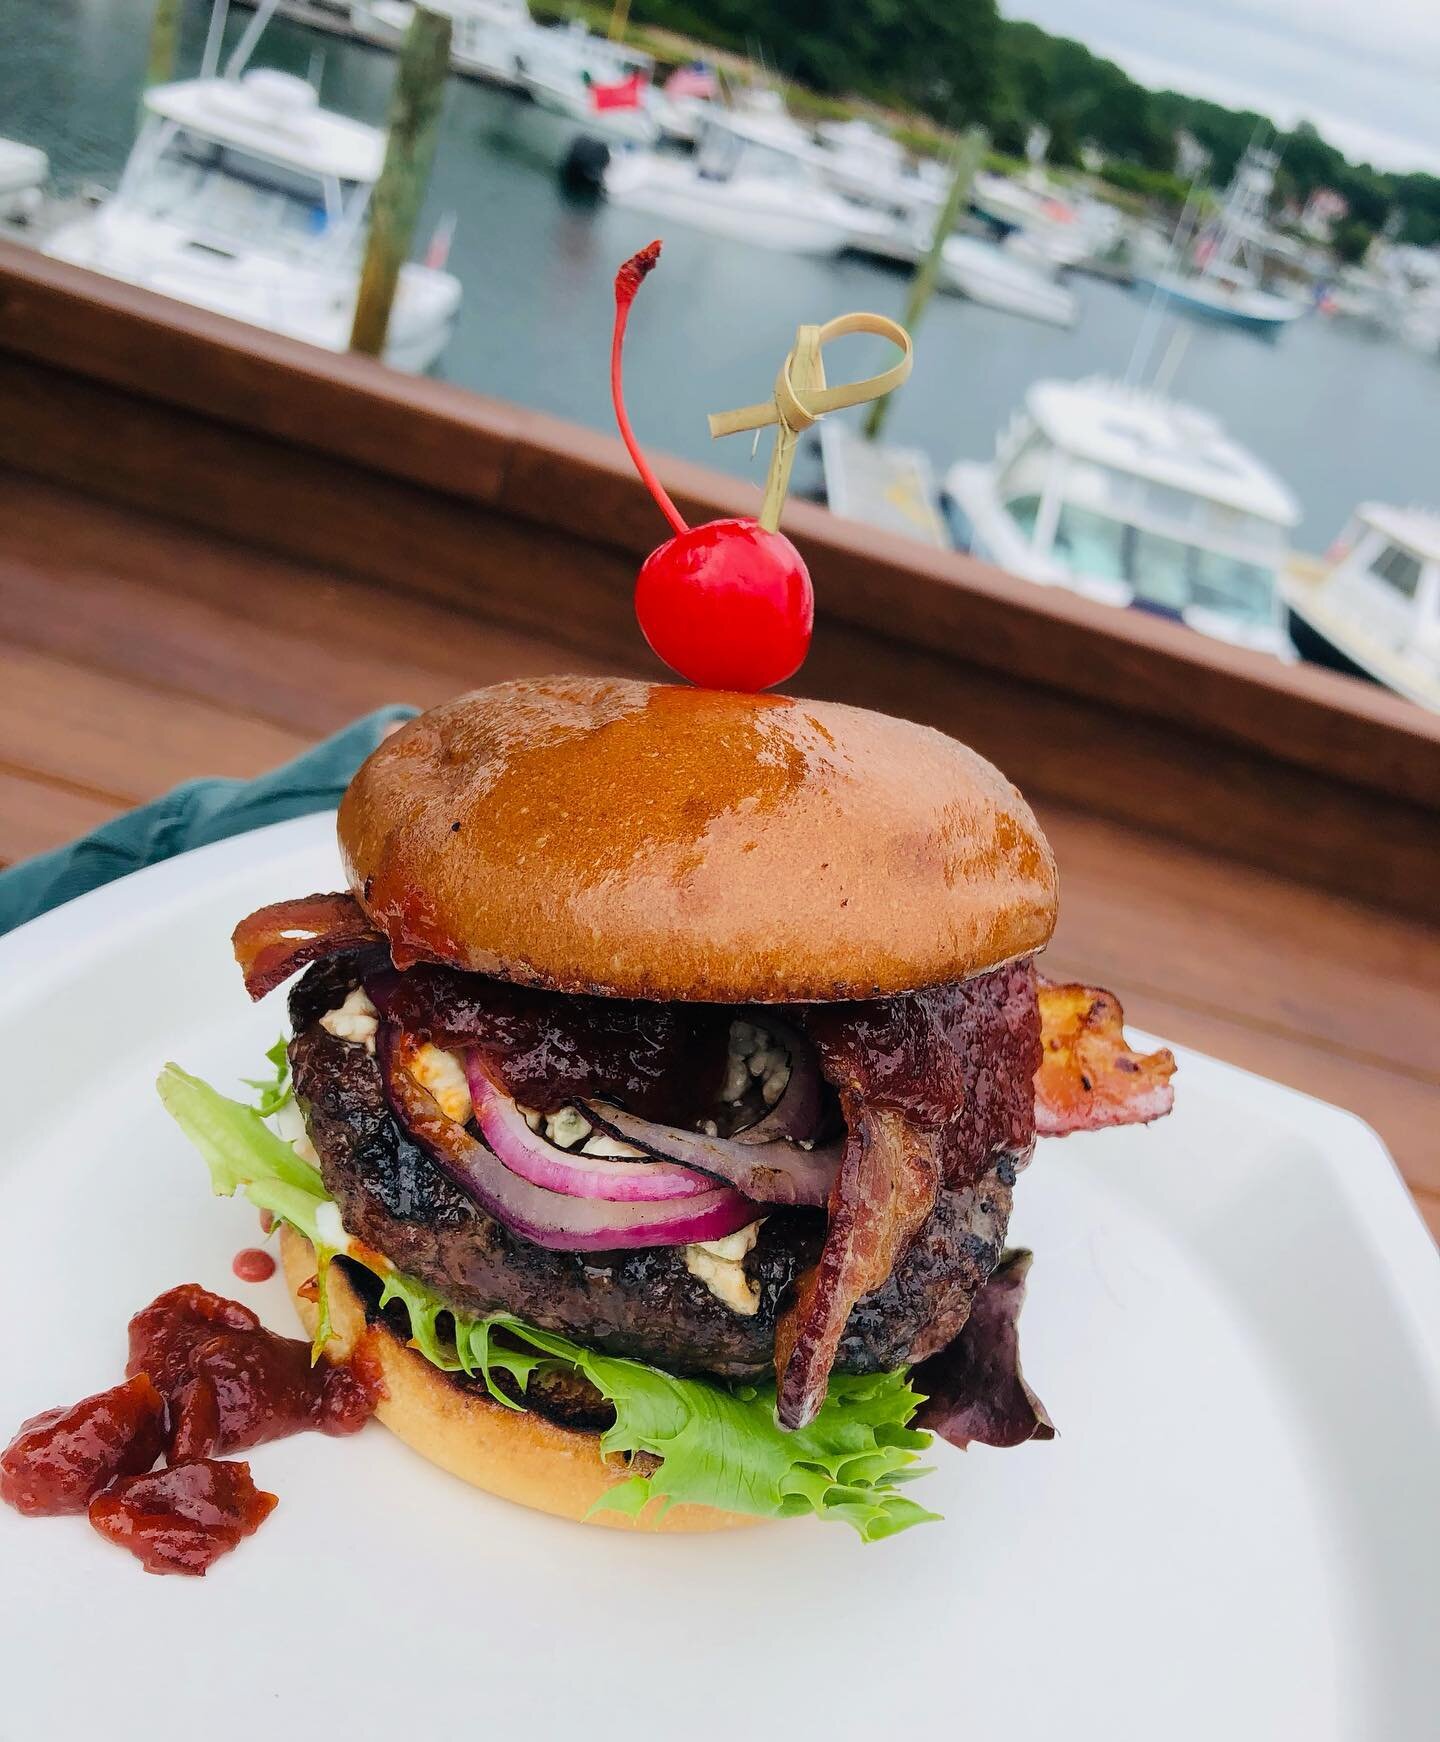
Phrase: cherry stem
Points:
(627, 281)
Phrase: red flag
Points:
(628, 94)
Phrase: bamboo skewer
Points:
(802, 396)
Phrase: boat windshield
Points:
(1166, 573)
(226, 197)
(722, 153)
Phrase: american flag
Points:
(694, 80)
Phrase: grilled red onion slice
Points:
(549, 1219)
(768, 1173)
(526, 1152)
(797, 1113)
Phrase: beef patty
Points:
(641, 1303)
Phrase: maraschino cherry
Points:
(729, 604)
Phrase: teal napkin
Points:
(192, 815)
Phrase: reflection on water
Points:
(1339, 416)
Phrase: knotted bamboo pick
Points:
(801, 396)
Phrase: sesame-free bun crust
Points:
(657, 841)
(514, 1454)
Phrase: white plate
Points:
(1234, 1319)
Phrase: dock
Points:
(887, 487)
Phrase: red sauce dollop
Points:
(181, 1520)
(163, 1334)
(204, 1377)
(59, 1461)
(231, 1384)
(254, 1264)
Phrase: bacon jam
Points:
(181, 1520)
(204, 1376)
(231, 1384)
(59, 1461)
(662, 1061)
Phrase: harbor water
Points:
(1340, 416)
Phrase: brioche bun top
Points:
(656, 841)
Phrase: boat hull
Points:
(741, 211)
(490, 51)
(1256, 313)
(986, 273)
(1316, 648)
(301, 304)
(615, 126)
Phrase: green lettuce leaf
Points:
(718, 1444)
(275, 1090)
(245, 1155)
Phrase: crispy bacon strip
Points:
(1088, 1076)
(974, 1388)
(889, 1176)
(277, 941)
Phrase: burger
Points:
(656, 1093)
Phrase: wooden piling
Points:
(968, 159)
(164, 39)
(409, 152)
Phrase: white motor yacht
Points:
(1132, 499)
(997, 274)
(1373, 607)
(684, 100)
(1365, 297)
(861, 161)
(1001, 277)
(487, 37)
(604, 89)
(747, 183)
(242, 195)
(1057, 227)
(768, 121)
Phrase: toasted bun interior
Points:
(658, 841)
(514, 1454)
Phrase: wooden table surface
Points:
(135, 654)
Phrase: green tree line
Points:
(959, 61)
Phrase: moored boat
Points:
(747, 182)
(1373, 608)
(487, 37)
(600, 87)
(999, 277)
(244, 196)
(1132, 499)
(1221, 281)
(864, 163)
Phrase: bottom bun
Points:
(515, 1454)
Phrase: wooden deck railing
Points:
(1253, 846)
